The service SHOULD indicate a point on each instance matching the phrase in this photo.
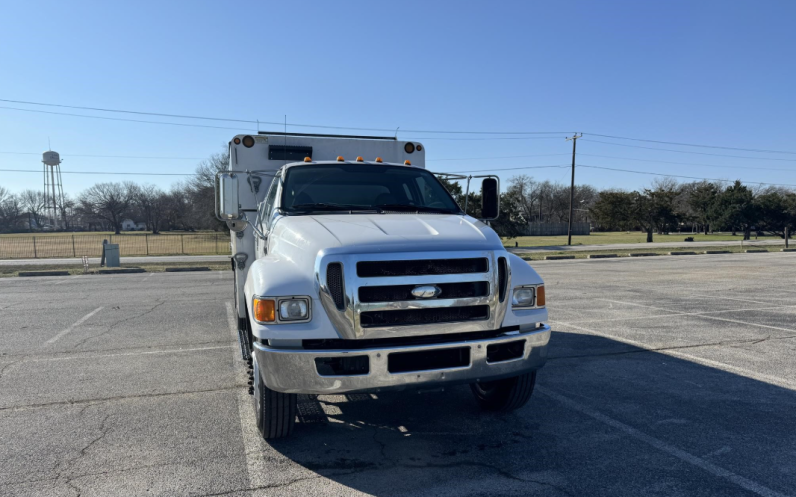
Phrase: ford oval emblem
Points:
(426, 291)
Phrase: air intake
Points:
(503, 278)
(334, 281)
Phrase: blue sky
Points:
(707, 72)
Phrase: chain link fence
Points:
(31, 247)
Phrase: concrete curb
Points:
(186, 269)
(756, 251)
(558, 257)
(122, 270)
(644, 254)
(788, 250)
(44, 273)
(718, 252)
(603, 256)
(682, 253)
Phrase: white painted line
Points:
(680, 454)
(253, 444)
(704, 315)
(62, 281)
(774, 380)
(671, 314)
(122, 354)
(78, 323)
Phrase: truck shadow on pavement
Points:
(606, 418)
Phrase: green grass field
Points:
(622, 237)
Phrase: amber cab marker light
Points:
(419, 147)
(307, 159)
(264, 310)
(248, 141)
(409, 147)
(236, 141)
(540, 296)
(407, 163)
(340, 158)
(378, 159)
(360, 159)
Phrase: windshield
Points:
(356, 187)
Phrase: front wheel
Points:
(504, 395)
(275, 412)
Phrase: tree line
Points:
(188, 205)
(666, 206)
(706, 206)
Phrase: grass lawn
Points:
(658, 251)
(622, 237)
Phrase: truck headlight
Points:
(294, 309)
(528, 296)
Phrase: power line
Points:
(491, 158)
(512, 168)
(690, 152)
(691, 163)
(100, 172)
(258, 122)
(678, 176)
(695, 145)
(112, 156)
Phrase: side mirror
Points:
(227, 202)
(490, 199)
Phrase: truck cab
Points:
(357, 271)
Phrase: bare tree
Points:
(108, 201)
(201, 190)
(33, 203)
(10, 210)
(151, 203)
(523, 191)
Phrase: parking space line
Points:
(253, 443)
(680, 454)
(670, 314)
(704, 315)
(76, 324)
(729, 298)
(122, 354)
(773, 380)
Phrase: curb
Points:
(644, 254)
(123, 270)
(756, 251)
(788, 250)
(603, 256)
(44, 273)
(718, 252)
(558, 257)
(682, 253)
(186, 269)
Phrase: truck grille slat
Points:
(395, 293)
(372, 269)
(334, 280)
(424, 316)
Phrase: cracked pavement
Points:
(667, 376)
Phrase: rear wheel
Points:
(504, 395)
(275, 412)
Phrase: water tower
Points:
(53, 188)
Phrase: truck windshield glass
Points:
(354, 187)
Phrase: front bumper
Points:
(295, 371)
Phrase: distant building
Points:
(130, 225)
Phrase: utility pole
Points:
(572, 187)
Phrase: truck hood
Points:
(353, 233)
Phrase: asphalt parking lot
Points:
(667, 376)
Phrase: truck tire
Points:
(505, 395)
(275, 412)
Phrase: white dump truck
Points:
(356, 271)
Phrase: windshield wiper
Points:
(413, 208)
(322, 206)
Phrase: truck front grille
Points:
(395, 293)
(432, 315)
(372, 269)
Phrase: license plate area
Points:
(407, 362)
